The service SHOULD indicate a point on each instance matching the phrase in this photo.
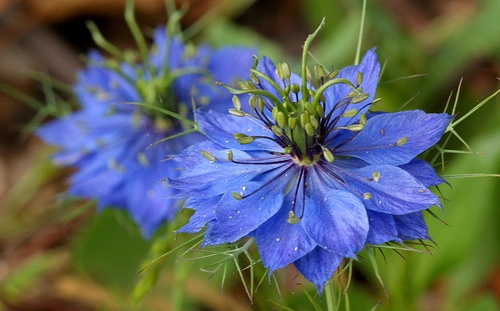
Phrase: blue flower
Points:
(111, 143)
(315, 178)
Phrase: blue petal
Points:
(220, 128)
(204, 212)
(318, 266)
(396, 191)
(382, 228)
(335, 219)
(267, 67)
(423, 172)
(230, 64)
(203, 178)
(411, 226)
(237, 218)
(335, 94)
(281, 243)
(376, 143)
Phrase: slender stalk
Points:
(360, 34)
(310, 38)
(182, 271)
(330, 297)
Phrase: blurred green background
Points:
(59, 254)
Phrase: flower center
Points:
(296, 115)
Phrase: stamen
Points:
(402, 141)
(207, 155)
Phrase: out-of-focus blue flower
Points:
(110, 141)
(313, 179)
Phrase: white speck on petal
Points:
(244, 188)
(278, 239)
(296, 248)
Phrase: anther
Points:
(309, 129)
(359, 97)
(236, 113)
(292, 219)
(236, 102)
(359, 78)
(243, 138)
(362, 119)
(367, 195)
(327, 154)
(350, 113)
(355, 127)
(402, 141)
(207, 155)
(375, 175)
(236, 196)
(229, 155)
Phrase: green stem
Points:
(134, 29)
(330, 297)
(360, 34)
(181, 273)
(310, 38)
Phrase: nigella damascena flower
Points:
(312, 178)
(111, 142)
